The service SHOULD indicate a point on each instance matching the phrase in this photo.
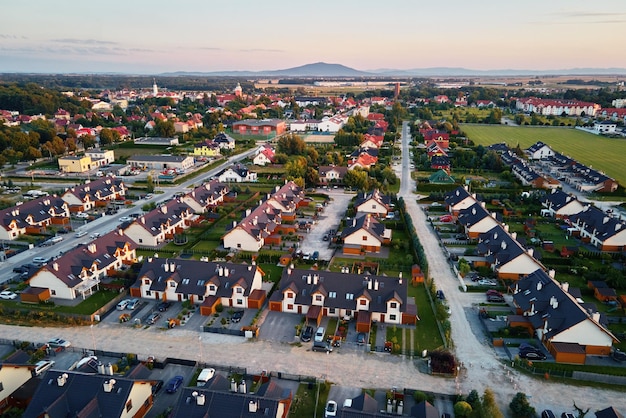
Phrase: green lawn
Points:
(426, 335)
(304, 401)
(592, 150)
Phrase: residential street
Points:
(347, 367)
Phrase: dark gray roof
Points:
(193, 277)
(342, 289)
(440, 160)
(609, 412)
(498, 246)
(39, 210)
(457, 195)
(204, 402)
(472, 215)
(558, 199)
(375, 194)
(593, 219)
(367, 222)
(98, 189)
(81, 395)
(424, 410)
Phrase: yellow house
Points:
(206, 149)
(75, 164)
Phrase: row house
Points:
(539, 151)
(203, 283)
(78, 272)
(332, 124)
(94, 193)
(365, 235)
(459, 199)
(202, 198)
(433, 149)
(599, 229)
(477, 220)
(288, 199)
(556, 107)
(367, 298)
(568, 330)
(440, 162)
(223, 397)
(224, 141)
(331, 174)
(237, 174)
(613, 114)
(505, 255)
(559, 204)
(160, 224)
(33, 217)
(64, 393)
(257, 229)
(304, 101)
(374, 202)
(579, 176)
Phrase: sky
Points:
(152, 37)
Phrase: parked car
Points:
(322, 346)
(495, 298)
(493, 292)
(40, 261)
(440, 295)
(237, 315)
(306, 334)
(82, 215)
(163, 306)
(80, 234)
(154, 318)
(42, 366)
(567, 415)
(122, 304)
(315, 256)
(204, 376)
(487, 282)
(547, 414)
(319, 334)
(532, 355)
(361, 338)
(58, 342)
(331, 409)
(132, 304)
(8, 295)
(174, 383)
(126, 219)
(618, 355)
(157, 387)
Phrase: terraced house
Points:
(205, 283)
(94, 193)
(367, 298)
(33, 217)
(78, 272)
(206, 196)
(160, 224)
(599, 229)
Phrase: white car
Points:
(7, 294)
(82, 215)
(58, 342)
(126, 219)
(331, 409)
(486, 282)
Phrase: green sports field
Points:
(605, 154)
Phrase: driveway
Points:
(330, 218)
(279, 327)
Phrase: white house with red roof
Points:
(264, 157)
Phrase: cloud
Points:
(84, 41)
(577, 14)
(279, 51)
(211, 48)
(5, 36)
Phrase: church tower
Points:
(155, 89)
(238, 90)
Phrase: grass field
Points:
(601, 153)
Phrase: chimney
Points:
(369, 283)
(120, 232)
(164, 209)
(242, 386)
(531, 251)
(220, 271)
(55, 266)
(62, 379)
(565, 287)
(255, 220)
(248, 212)
(166, 267)
(100, 367)
(483, 204)
(233, 385)
(226, 272)
(493, 215)
(399, 280)
(514, 235)
(143, 220)
(596, 316)
(199, 399)
(315, 278)
(92, 248)
(308, 279)
(551, 273)
(375, 284)
(539, 285)
(253, 406)
(172, 267)
(288, 272)
(108, 385)
(234, 224)
(108, 369)
(506, 228)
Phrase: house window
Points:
(289, 295)
(238, 245)
(364, 237)
(212, 288)
(148, 293)
(239, 301)
(140, 240)
(318, 298)
(146, 281)
(332, 295)
(53, 292)
(331, 311)
(348, 312)
(129, 405)
(239, 290)
(172, 284)
(393, 305)
(392, 317)
(373, 206)
(350, 296)
(363, 302)
(290, 307)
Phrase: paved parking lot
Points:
(329, 219)
(279, 327)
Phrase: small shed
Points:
(417, 276)
(35, 295)
(209, 305)
(256, 299)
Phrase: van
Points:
(319, 334)
(204, 376)
(322, 346)
(42, 366)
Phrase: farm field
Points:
(604, 154)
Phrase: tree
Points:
(164, 129)
(89, 141)
(520, 407)
(356, 178)
(32, 154)
(462, 409)
(149, 184)
(489, 406)
(291, 145)
(106, 137)
(296, 167)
